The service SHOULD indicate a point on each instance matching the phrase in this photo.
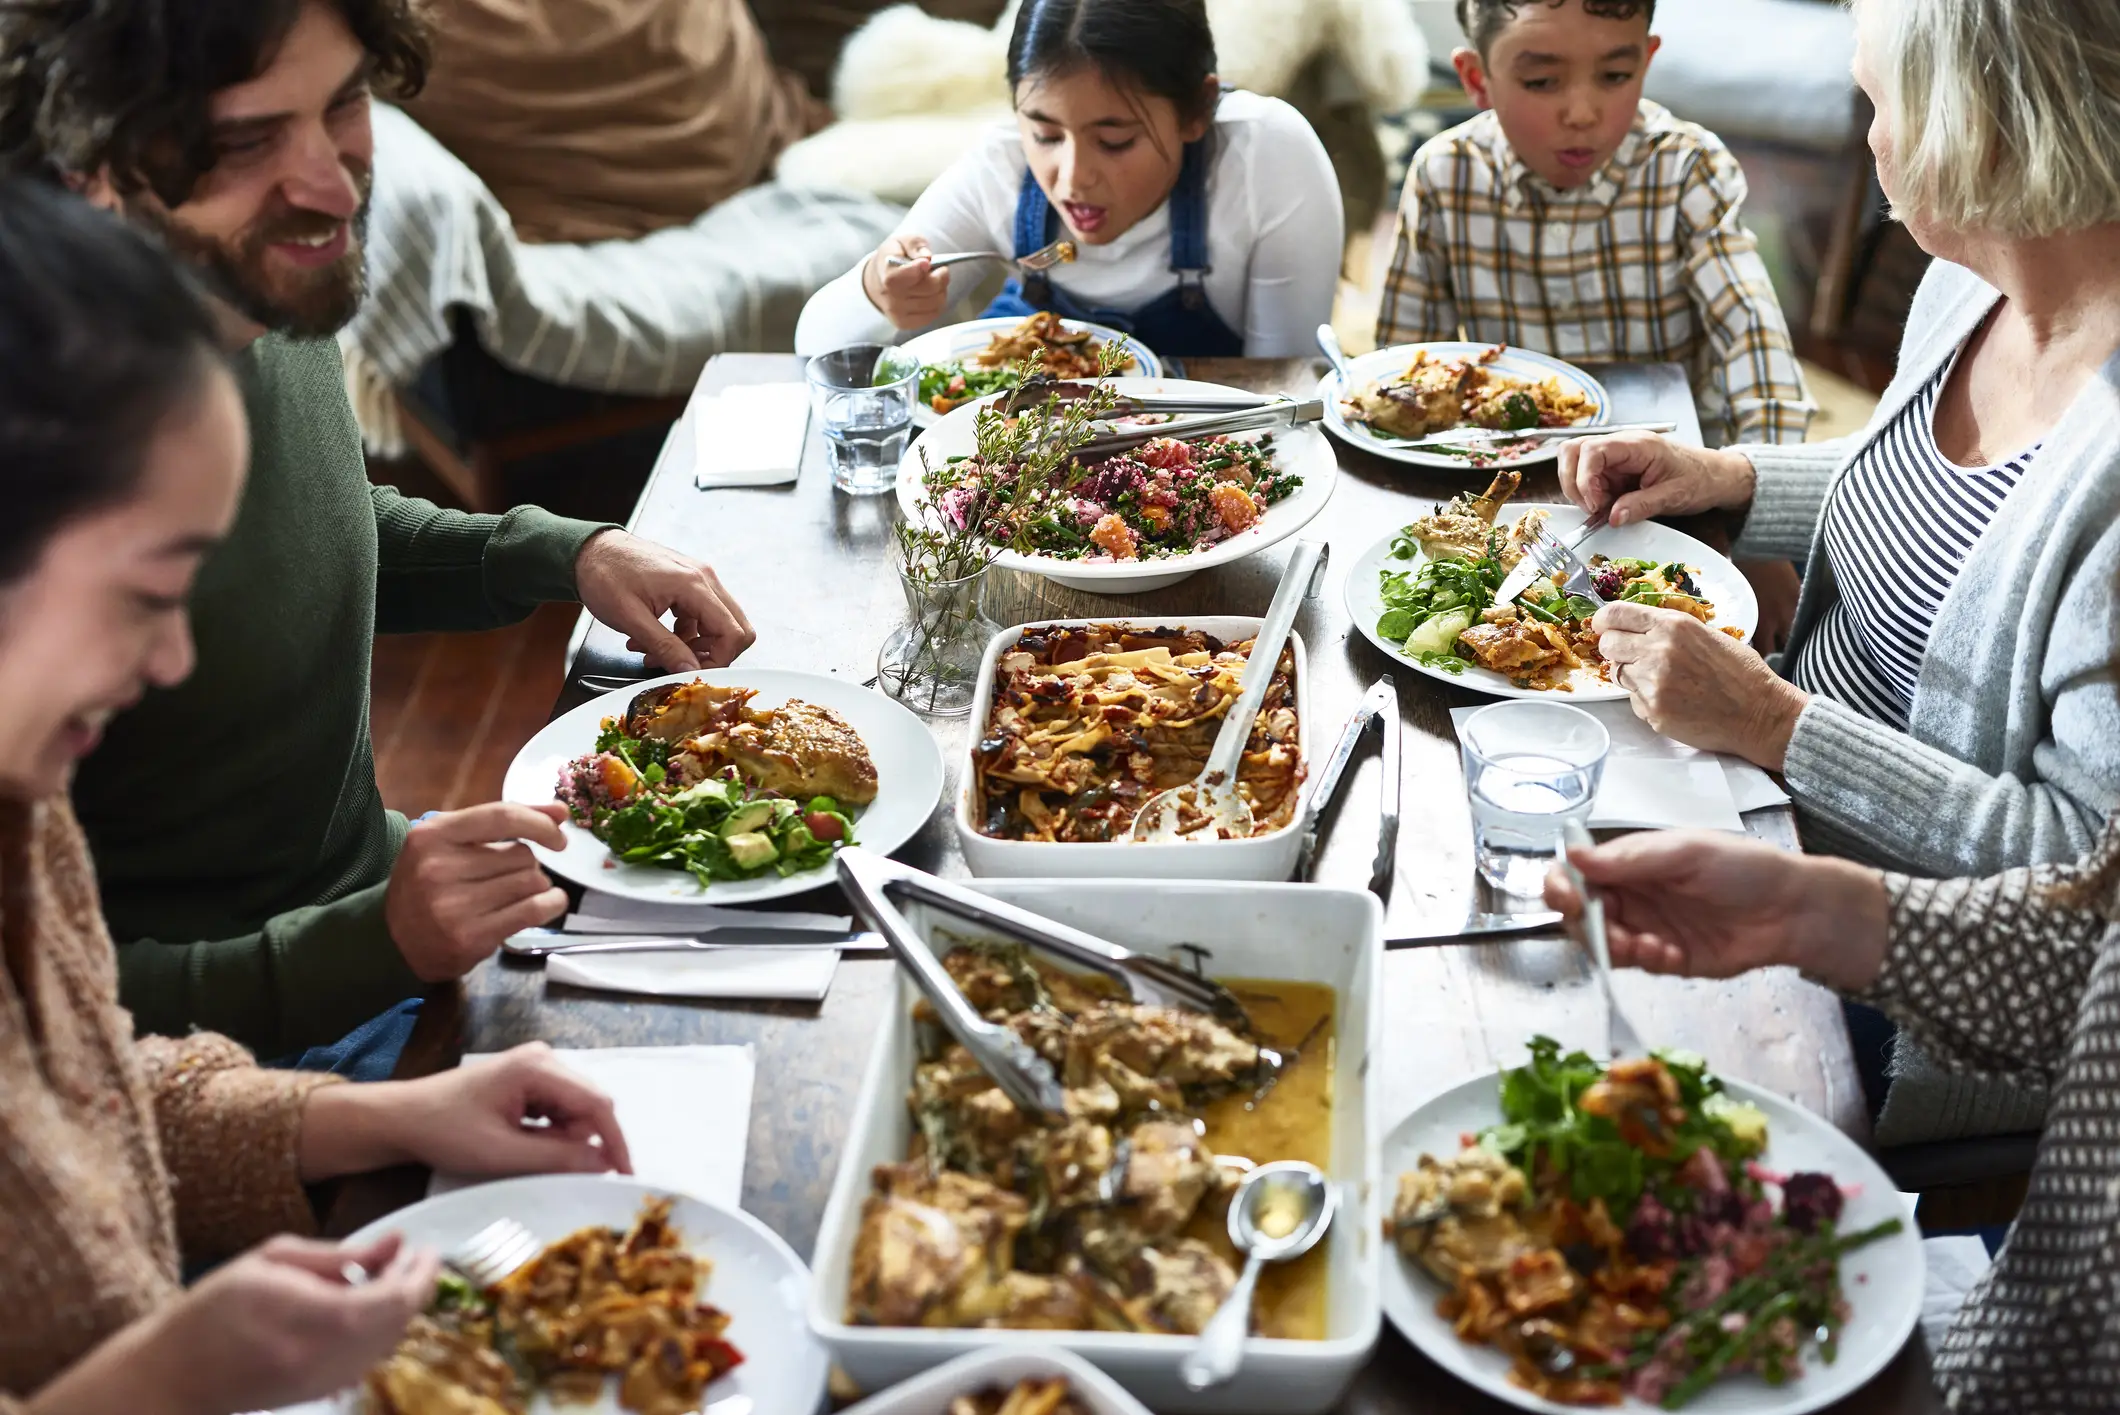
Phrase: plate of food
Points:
(1025, 1380)
(629, 1277)
(1646, 1235)
(1410, 391)
(1425, 595)
(729, 786)
(962, 363)
(1069, 711)
(1144, 519)
(952, 1228)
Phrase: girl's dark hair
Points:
(101, 338)
(1162, 47)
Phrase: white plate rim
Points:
(939, 346)
(535, 768)
(1380, 362)
(1409, 1300)
(1736, 606)
(1320, 470)
(797, 1272)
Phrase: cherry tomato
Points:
(825, 826)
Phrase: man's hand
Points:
(464, 882)
(629, 584)
(1698, 685)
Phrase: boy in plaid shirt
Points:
(1575, 218)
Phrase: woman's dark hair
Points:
(101, 338)
(122, 86)
(1162, 47)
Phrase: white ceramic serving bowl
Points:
(932, 1393)
(1301, 450)
(1263, 857)
(1297, 933)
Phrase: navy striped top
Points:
(1898, 529)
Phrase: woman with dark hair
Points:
(1205, 223)
(122, 448)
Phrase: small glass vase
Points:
(931, 664)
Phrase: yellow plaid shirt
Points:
(1647, 261)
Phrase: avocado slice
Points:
(751, 850)
(745, 819)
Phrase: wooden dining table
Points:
(815, 572)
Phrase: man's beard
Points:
(311, 305)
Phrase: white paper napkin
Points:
(1955, 1264)
(685, 1112)
(1654, 783)
(610, 913)
(781, 974)
(750, 436)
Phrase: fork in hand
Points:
(1058, 253)
(1624, 1040)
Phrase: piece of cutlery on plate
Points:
(708, 940)
(1042, 388)
(1488, 928)
(1286, 413)
(1459, 436)
(1560, 559)
(1044, 258)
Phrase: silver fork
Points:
(1058, 253)
(1565, 566)
(493, 1253)
(1620, 1033)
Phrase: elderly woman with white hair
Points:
(1947, 701)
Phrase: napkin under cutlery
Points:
(769, 972)
(685, 1112)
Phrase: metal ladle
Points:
(1213, 793)
(1280, 1212)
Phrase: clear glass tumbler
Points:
(1530, 768)
(864, 399)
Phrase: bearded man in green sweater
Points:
(252, 878)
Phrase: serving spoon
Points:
(1280, 1212)
(1214, 791)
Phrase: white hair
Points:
(2005, 114)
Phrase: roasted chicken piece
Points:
(1169, 1170)
(1462, 1215)
(798, 749)
(1179, 1287)
(675, 711)
(1459, 529)
(441, 1368)
(1186, 1049)
(1428, 397)
(933, 1250)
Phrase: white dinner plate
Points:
(756, 1278)
(956, 343)
(908, 784)
(1736, 607)
(1518, 363)
(1303, 451)
(1882, 1281)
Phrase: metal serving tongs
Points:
(1254, 419)
(1044, 388)
(1379, 706)
(877, 886)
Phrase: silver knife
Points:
(1467, 436)
(1527, 570)
(1391, 790)
(712, 939)
(1488, 928)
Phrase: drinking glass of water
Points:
(864, 400)
(1530, 768)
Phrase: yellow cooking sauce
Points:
(1293, 1122)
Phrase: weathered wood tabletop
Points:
(814, 571)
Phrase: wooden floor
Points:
(451, 710)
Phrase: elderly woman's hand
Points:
(1698, 685)
(1713, 905)
(1636, 475)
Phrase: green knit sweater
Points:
(237, 830)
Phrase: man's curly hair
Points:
(1482, 20)
(122, 86)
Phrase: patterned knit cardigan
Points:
(116, 1156)
(2015, 977)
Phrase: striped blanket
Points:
(639, 317)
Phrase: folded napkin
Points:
(1654, 783)
(750, 436)
(781, 974)
(685, 1113)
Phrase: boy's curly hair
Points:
(1482, 20)
(122, 86)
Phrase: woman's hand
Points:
(1698, 685)
(1712, 905)
(1636, 475)
(910, 296)
(276, 1326)
(518, 1113)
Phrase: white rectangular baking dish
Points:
(932, 1393)
(1264, 857)
(1298, 933)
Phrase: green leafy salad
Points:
(627, 795)
(945, 386)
